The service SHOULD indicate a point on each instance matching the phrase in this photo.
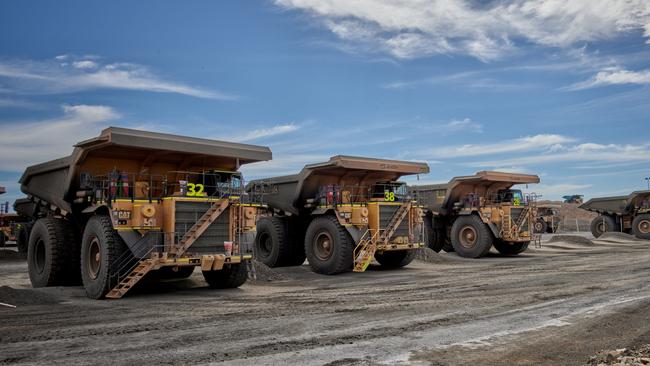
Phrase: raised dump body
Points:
(140, 202)
(630, 214)
(339, 215)
(472, 213)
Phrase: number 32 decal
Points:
(195, 190)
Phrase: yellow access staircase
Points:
(364, 252)
(144, 266)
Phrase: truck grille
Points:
(211, 241)
(386, 213)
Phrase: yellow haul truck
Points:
(128, 203)
(340, 214)
(470, 214)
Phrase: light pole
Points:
(647, 179)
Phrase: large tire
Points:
(22, 238)
(395, 259)
(510, 249)
(602, 224)
(272, 245)
(447, 247)
(101, 248)
(540, 226)
(51, 253)
(230, 276)
(471, 237)
(435, 237)
(641, 226)
(328, 246)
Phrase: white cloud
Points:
(555, 191)
(602, 155)
(464, 125)
(16, 103)
(268, 132)
(84, 64)
(416, 28)
(522, 144)
(614, 76)
(46, 77)
(32, 142)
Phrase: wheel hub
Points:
(94, 261)
(644, 226)
(323, 246)
(468, 237)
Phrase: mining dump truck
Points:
(547, 219)
(340, 214)
(629, 214)
(128, 203)
(470, 214)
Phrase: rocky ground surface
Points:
(567, 303)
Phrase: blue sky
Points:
(560, 88)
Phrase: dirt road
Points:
(555, 305)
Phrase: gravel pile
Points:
(622, 356)
(615, 235)
(429, 256)
(571, 239)
(17, 297)
(261, 273)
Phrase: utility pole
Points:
(647, 179)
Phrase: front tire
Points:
(511, 249)
(101, 248)
(471, 237)
(230, 276)
(328, 246)
(272, 245)
(395, 259)
(602, 224)
(51, 259)
(641, 226)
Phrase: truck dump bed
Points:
(441, 197)
(291, 191)
(616, 205)
(52, 182)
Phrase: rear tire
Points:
(22, 238)
(602, 224)
(435, 236)
(471, 237)
(328, 246)
(447, 247)
(540, 226)
(101, 248)
(395, 259)
(230, 276)
(641, 226)
(51, 253)
(272, 245)
(511, 249)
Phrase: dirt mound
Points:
(622, 356)
(571, 239)
(615, 235)
(429, 256)
(13, 296)
(261, 273)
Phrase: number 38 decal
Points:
(195, 190)
(389, 196)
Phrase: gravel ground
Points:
(555, 305)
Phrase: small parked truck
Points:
(340, 214)
(548, 219)
(628, 214)
(128, 203)
(470, 214)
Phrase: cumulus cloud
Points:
(51, 77)
(614, 76)
(417, 28)
(31, 142)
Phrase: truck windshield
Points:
(388, 191)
